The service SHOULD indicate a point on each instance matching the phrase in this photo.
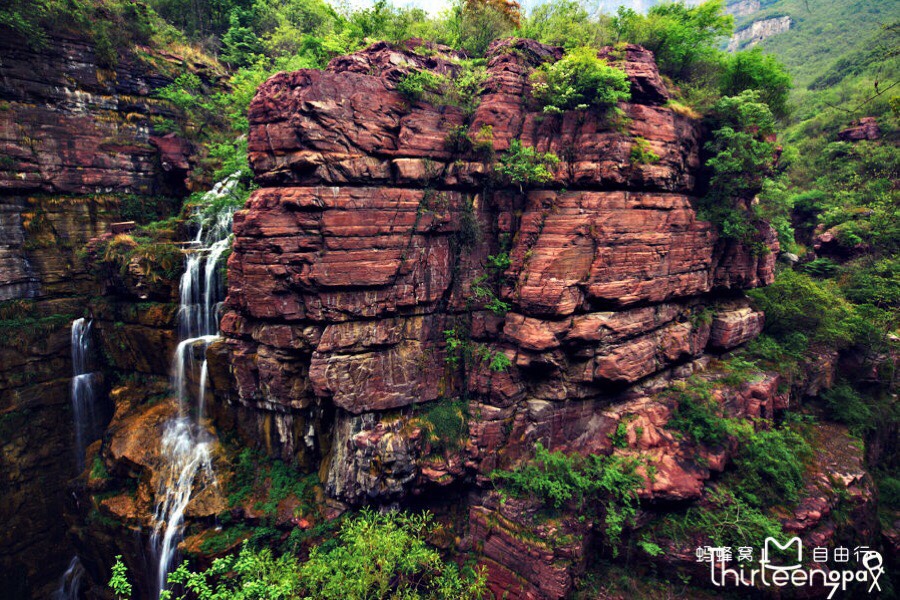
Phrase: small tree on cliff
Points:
(579, 80)
(742, 156)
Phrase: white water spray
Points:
(186, 447)
(84, 403)
(70, 582)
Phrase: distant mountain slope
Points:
(822, 32)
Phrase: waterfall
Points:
(84, 406)
(70, 582)
(186, 447)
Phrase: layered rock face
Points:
(757, 31)
(381, 272)
(74, 138)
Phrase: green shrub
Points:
(641, 154)
(381, 556)
(846, 405)
(608, 483)
(446, 423)
(417, 84)
(821, 267)
(874, 282)
(741, 158)
(697, 414)
(754, 70)
(118, 583)
(725, 520)
(524, 166)
(770, 466)
(578, 81)
(684, 39)
(795, 303)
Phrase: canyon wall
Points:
(75, 148)
(382, 275)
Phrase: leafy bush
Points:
(697, 414)
(846, 405)
(374, 557)
(754, 70)
(524, 166)
(118, 583)
(726, 520)
(564, 23)
(641, 154)
(683, 38)
(417, 84)
(795, 303)
(382, 556)
(770, 467)
(579, 80)
(874, 282)
(609, 483)
(742, 156)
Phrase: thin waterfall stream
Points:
(84, 397)
(186, 446)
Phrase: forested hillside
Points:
(502, 301)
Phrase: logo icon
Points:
(772, 546)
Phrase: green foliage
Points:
(683, 38)
(754, 70)
(846, 405)
(499, 362)
(741, 157)
(578, 81)
(770, 467)
(698, 415)
(619, 437)
(565, 23)
(144, 209)
(249, 575)
(641, 154)
(98, 469)
(795, 303)
(118, 583)
(471, 25)
(270, 479)
(112, 25)
(889, 492)
(415, 85)
(524, 166)
(724, 520)
(608, 483)
(155, 262)
(446, 423)
(384, 556)
(29, 326)
(241, 46)
(874, 282)
(458, 346)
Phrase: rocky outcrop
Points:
(742, 8)
(865, 128)
(757, 31)
(382, 275)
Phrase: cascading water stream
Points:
(186, 446)
(84, 407)
(70, 582)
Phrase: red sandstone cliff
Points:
(361, 249)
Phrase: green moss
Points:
(445, 422)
